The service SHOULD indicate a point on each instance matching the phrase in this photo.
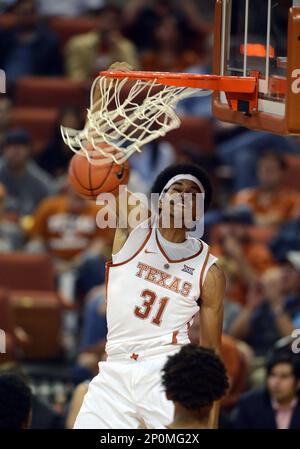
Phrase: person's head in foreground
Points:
(180, 189)
(193, 379)
(283, 377)
(15, 402)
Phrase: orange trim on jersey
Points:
(174, 337)
(110, 264)
(203, 270)
(179, 260)
(107, 267)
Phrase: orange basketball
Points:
(89, 180)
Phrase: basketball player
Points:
(159, 278)
(193, 379)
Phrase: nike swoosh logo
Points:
(149, 252)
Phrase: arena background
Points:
(52, 257)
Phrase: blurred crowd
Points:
(253, 226)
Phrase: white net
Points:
(125, 116)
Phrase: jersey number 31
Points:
(144, 311)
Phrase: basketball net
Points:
(128, 114)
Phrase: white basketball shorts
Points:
(126, 394)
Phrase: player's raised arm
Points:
(126, 203)
(211, 320)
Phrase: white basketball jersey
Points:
(151, 300)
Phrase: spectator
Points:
(270, 310)
(244, 258)
(11, 237)
(195, 389)
(270, 202)
(277, 405)
(242, 152)
(25, 184)
(15, 402)
(56, 156)
(66, 226)
(5, 116)
(30, 48)
(169, 52)
(89, 53)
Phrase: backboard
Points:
(260, 36)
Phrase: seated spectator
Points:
(5, 116)
(241, 153)
(244, 258)
(66, 226)
(11, 237)
(26, 185)
(194, 390)
(169, 52)
(30, 48)
(271, 308)
(15, 402)
(89, 53)
(271, 203)
(277, 405)
(56, 156)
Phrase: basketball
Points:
(89, 180)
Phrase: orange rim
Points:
(237, 84)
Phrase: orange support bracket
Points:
(241, 92)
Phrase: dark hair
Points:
(271, 154)
(195, 377)
(15, 401)
(190, 169)
(284, 356)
